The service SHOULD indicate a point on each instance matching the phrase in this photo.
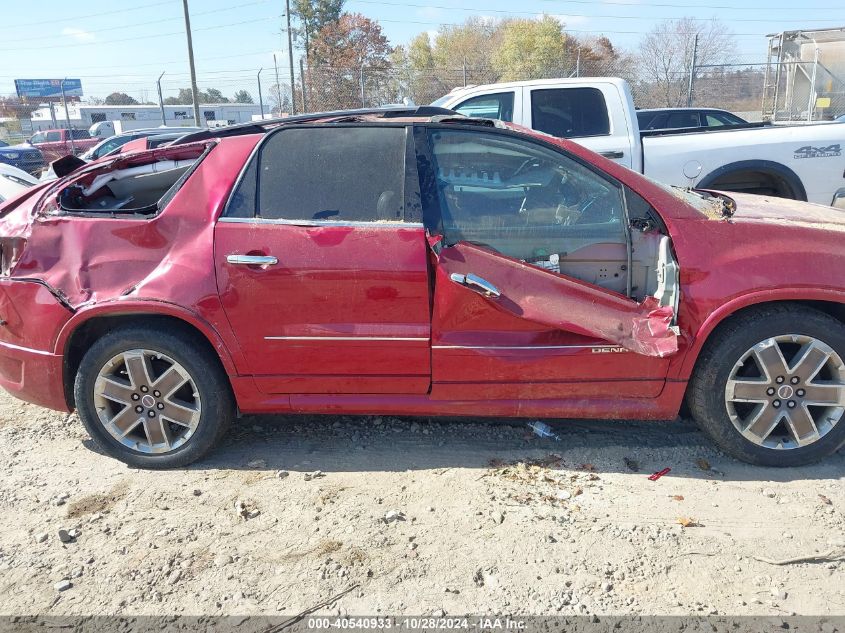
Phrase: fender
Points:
(684, 370)
(152, 307)
(777, 169)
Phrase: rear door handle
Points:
(476, 283)
(252, 260)
(617, 153)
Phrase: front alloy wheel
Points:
(769, 385)
(786, 392)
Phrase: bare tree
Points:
(666, 57)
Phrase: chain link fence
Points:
(752, 89)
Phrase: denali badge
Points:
(609, 350)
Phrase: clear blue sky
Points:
(126, 44)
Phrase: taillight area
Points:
(11, 249)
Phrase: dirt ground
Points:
(422, 517)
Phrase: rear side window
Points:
(342, 174)
(52, 137)
(496, 106)
(683, 119)
(569, 112)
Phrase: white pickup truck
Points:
(803, 162)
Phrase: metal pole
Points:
(160, 99)
(278, 85)
(302, 81)
(67, 119)
(194, 92)
(691, 83)
(260, 98)
(290, 63)
(53, 114)
(578, 63)
(465, 72)
(363, 93)
(811, 98)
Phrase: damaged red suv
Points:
(415, 262)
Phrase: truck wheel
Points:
(769, 387)
(152, 399)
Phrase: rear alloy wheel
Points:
(147, 401)
(153, 399)
(769, 387)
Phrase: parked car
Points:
(840, 119)
(57, 143)
(14, 181)
(673, 118)
(416, 262)
(23, 156)
(113, 144)
(802, 162)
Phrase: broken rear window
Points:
(136, 185)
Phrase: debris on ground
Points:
(541, 429)
(659, 474)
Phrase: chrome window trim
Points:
(525, 347)
(373, 225)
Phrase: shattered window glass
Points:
(530, 203)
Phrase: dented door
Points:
(534, 295)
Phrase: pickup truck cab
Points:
(798, 162)
(57, 143)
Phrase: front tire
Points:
(769, 387)
(153, 399)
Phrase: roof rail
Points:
(263, 126)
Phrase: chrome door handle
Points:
(476, 283)
(252, 260)
(613, 154)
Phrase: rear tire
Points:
(153, 399)
(757, 393)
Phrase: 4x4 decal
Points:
(808, 151)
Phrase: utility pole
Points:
(161, 99)
(302, 79)
(194, 91)
(67, 118)
(260, 98)
(691, 83)
(290, 64)
(278, 85)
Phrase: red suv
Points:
(415, 262)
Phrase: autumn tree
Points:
(340, 53)
(666, 57)
(530, 49)
(120, 98)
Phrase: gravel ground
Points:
(426, 516)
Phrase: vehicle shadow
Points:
(386, 443)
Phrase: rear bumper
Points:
(33, 376)
(30, 320)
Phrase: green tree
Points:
(313, 16)
(242, 96)
(120, 98)
(530, 49)
(212, 95)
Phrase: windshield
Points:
(441, 101)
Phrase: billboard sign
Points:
(47, 88)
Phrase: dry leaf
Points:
(688, 523)
(825, 500)
(702, 463)
(588, 467)
(577, 491)
(678, 497)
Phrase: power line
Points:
(136, 24)
(90, 15)
(143, 37)
(579, 15)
